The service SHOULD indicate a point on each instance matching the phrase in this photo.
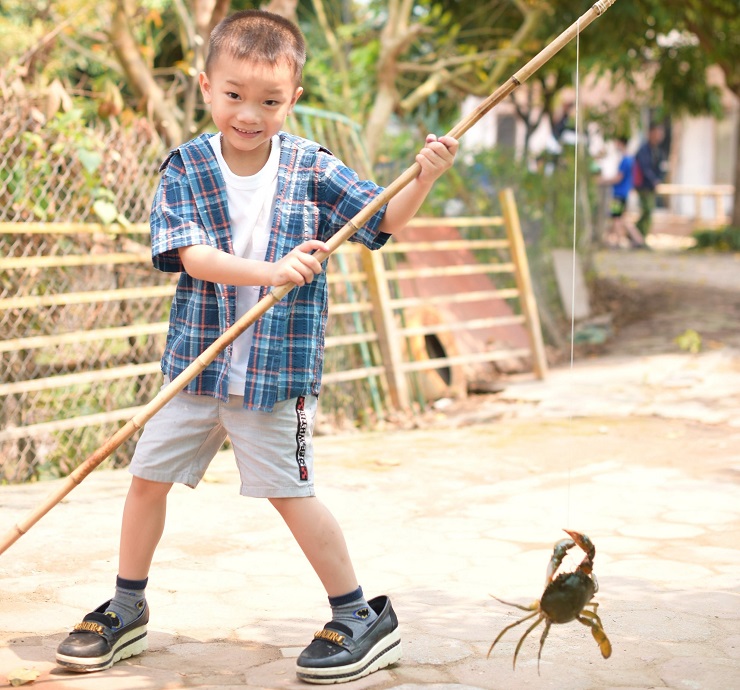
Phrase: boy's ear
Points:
(205, 86)
(298, 93)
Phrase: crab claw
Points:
(586, 545)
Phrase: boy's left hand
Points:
(436, 157)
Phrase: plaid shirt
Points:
(316, 197)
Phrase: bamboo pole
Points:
(276, 294)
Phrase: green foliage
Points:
(689, 341)
(725, 239)
(544, 194)
(66, 143)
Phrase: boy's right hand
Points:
(299, 266)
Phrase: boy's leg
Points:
(362, 636)
(274, 452)
(117, 629)
(321, 540)
(142, 526)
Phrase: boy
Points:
(235, 213)
(622, 185)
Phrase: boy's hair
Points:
(259, 36)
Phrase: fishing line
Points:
(575, 235)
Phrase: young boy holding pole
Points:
(235, 213)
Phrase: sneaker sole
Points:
(132, 643)
(385, 652)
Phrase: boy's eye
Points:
(271, 102)
(232, 95)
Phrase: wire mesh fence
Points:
(66, 170)
(83, 314)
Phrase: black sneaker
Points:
(100, 640)
(334, 656)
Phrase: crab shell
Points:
(564, 598)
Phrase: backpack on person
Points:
(637, 177)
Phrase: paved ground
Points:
(642, 453)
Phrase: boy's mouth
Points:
(247, 132)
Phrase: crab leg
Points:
(597, 630)
(542, 644)
(509, 627)
(529, 630)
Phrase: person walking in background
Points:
(622, 184)
(648, 174)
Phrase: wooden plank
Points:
(385, 324)
(80, 422)
(479, 296)
(352, 374)
(73, 337)
(350, 339)
(670, 189)
(350, 308)
(439, 362)
(39, 228)
(81, 378)
(471, 325)
(70, 260)
(444, 245)
(459, 222)
(524, 280)
(349, 277)
(93, 296)
(466, 270)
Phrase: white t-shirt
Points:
(251, 202)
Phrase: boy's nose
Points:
(247, 113)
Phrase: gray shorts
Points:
(273, 450)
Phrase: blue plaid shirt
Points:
(316, 197)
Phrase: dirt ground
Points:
(649, 316)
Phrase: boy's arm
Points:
(435, 158)
(213, 265)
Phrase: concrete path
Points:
(438, 519)
(642, 454)
(720, 270)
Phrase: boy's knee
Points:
(286, 506)
(147, 489)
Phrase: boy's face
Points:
(249, 103)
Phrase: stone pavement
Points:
(642, 454)
(439, 519)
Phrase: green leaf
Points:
(21, 676)
(106, 211)
(689, 341)
(90, 160)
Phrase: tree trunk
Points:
(394, 38)
(139, 76)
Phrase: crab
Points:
(567, 597)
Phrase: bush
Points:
(725, 239)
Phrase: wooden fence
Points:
(703, 198)
(84, 318)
